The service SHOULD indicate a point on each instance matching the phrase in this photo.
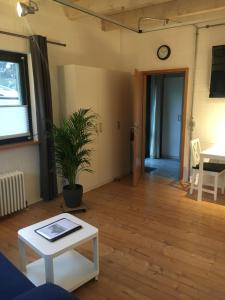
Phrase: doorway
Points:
(163, 124)
(138, 129)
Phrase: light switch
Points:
(100, 127)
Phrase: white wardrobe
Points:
(108, 93)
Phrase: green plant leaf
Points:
(71, 140)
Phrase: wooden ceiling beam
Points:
(108, 7)
(176, 9)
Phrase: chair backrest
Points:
(195, 151)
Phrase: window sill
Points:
(18, 145)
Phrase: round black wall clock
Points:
(163, 52)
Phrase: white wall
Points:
(86, 44)
(172, 111)
(209, 113)
(139, 51)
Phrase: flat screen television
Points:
(217, 84)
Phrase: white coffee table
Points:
(59, 262)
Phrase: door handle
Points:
(135, 127)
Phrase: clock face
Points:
(163, 52)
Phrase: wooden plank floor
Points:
(155, 242)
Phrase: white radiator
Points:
(12, 192)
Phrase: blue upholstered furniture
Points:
(15, 286)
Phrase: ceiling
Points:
(115, 6)
(133, 12)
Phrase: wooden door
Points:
(137, 127)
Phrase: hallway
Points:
(169, 168)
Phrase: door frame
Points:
(184, 71)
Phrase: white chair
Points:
(209, 168)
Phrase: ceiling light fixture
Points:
(24, 9)
(141, 19)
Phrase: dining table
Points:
(215, 152)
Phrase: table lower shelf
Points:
(71, 270)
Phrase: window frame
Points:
(22, 60)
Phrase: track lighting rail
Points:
(94, 14)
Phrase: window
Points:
(15, 110)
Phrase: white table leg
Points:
(193, 176)
(49, 272)
(22, 254)
(200, 180)
(215, 188)
(96, 255)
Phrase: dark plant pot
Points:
(73, 197)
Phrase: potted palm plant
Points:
(71, 140)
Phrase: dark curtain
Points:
(147, 129)
(156, 104)
(42, 85)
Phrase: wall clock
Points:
(163, 52)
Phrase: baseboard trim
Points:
(95, 186)
(109, 180)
